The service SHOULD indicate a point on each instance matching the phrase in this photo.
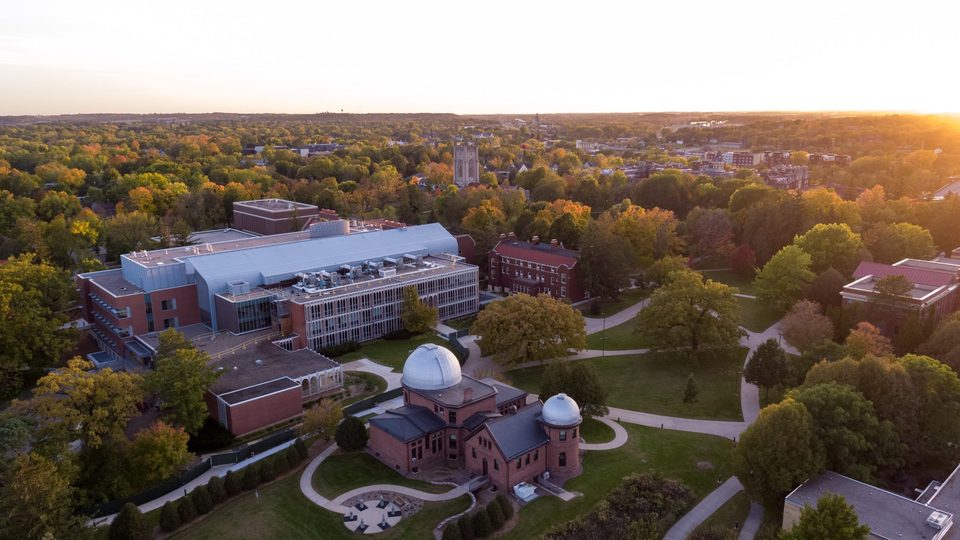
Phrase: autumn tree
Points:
(767, 366)
(417, 316)
(889, 243)
(578, 380)
(692, 312)
(856, 442)
(785, 278)
(180, 380)
(804, 326)
(825, 288)
(710, 233)
(322, 419)
(944, 343)
(524, 328)
(652, 233)
(660, 272)
(831, 519)
(605, 259)
(778, 452)
(93, 406)
(128, 232)
(484, 223)
(351, 434)
(157, 453)
(37, 501)
(866, 339)
(937, 395)
(832, 245)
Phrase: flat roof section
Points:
(173, 255)
(887, 514)
(275, 205)
(260, 390)
(241, 370)
(113, 282)
(454, 396)
(213, 236)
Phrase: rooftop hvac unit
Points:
(258, 362)
(238, 287)
(938, 520)
(388, 272)
(390, 260)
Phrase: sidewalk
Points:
(710, 504)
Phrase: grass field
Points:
(734, 279)
(462, 322)
(755, 316)
(627, 298)
(595, 431)
(374, 384)
(729, 518)
(342, 472)
(391, 352)
(283, 512)
(696, 460)
(654, 383)
(620, 337)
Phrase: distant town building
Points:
(272, 216)
(742, 159)
(787, 176)
(931, 516)
(830, 159)
(536, 267)
(466, 164)
(952, 188)
(772, 159)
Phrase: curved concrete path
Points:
(336, 505)
(752, 525)
(596, 325)
(720, 428)
(619, 437)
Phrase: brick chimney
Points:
(553, 243)
(467, 394)
(535, 240)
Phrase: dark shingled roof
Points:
(506, 394)
(477, 419)
(517, 434)
(408, 422)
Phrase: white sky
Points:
(489, 56)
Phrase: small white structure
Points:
(561, 410)
(525, 492)
(431, 367)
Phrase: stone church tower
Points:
(466, 164)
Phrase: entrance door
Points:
(484, 466)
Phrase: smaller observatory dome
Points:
(561, 410)
(431, 367)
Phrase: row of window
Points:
(525, 264)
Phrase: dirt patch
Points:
(705, 466)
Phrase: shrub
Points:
(452, 532)
(267, 471)
(186, 509)
(280, 464)
(399, 334)
(301, 449)
(465, 524)
(211, 436)
(202, 500)
(232, 483)
(217, 492)
(129, 525)
(251, 476)
(334, 351)
(505, 505)
(481, 525)
(293, 458)
(351, 434)
(495, 513)
(169, 518)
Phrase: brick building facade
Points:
(535, 267)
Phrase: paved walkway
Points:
(685, 526)
(369, 366)
(619, 437)
(336, 505)
(720, 428)
(597, 325)
(752, 525)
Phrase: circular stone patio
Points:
(372, 516)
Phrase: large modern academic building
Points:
(331, 283)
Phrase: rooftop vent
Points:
(938, 520)
(258, 362)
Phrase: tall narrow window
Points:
(563, 459)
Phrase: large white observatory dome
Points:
(561, 410)
(431, 367)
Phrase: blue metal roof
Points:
(272, 264)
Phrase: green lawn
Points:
(654, 383)
(757, 317)
(595, 431)
(627, 298)
(283, 512)
(729, 518)
(373, 385)
(342, 472)
(734, 279)
(696, 460)
(461, 323)
(391, 352)
(620, 337)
